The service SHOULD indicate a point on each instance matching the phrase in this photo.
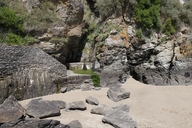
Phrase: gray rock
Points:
(34, 124)
(75, 124)
(109, 78)
(101, 109)
(63, 90)
(92, 100)
(117, 94)
(85, 87)
(59, 104)
(28, 72)
(123, 107)
(76, 105)
(119, 119)
(41, 108)
(11, 110)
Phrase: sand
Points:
(150, 106)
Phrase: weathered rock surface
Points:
(28, 72)
(34, 124)
(113, 58)
(101, 109)
(110, 78)
(123, 107)
(59, 104)
(165, 63)
(41, 108)
(92, 100)
(75, 124)
(11, 110)
(119, 119)
(117, 94)
(76, 105)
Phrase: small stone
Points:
(63, 90)
(92, 100)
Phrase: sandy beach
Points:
(150, 106)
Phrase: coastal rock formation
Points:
(163, 63)
(28, 72)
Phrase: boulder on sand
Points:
(41, 108)
(117, 94)
(92, 100)
(76, 105)
(119, 119)
(11, 110)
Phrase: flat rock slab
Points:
(92, 100)
(123, 107)
(76, 105)
(34, 124)
(59, 104)
(101, 109)
(117, 94)
(41, 108)
(11, 110)
(119, 119)
(75, 124)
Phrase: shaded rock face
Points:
(163, 63)
(11, 110)
(62, 37)
(28, 72)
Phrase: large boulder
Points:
(117, 94)
(41, 108)
(28, 72)
(11, 110)
(119, 119)
(34, 124)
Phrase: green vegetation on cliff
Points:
(95, 77)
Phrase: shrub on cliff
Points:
(147, 14)
(95, 77)
(106, 8)
(10, 21)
